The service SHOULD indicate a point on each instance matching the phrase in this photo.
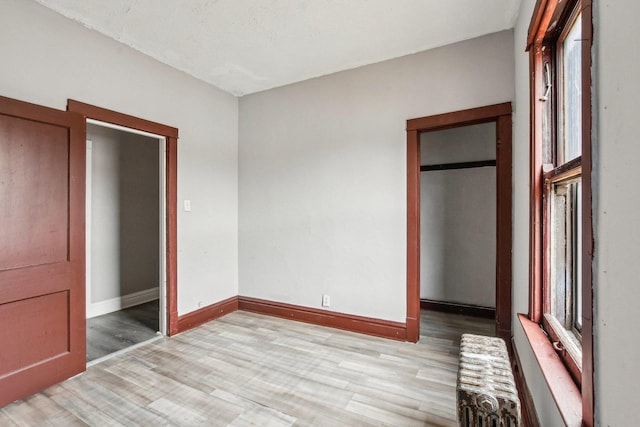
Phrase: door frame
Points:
(500, 114)
(171, 191)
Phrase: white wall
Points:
(458, 217)
(323, 174)
(616, 203)
(48, 59)
(125, 223)
(105, 217)
(462, 144)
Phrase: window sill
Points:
(563, 389)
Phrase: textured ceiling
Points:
(245, 46)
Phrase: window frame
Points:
(564, 342)
(551, 21)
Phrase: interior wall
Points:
(323, 174)
(125, 221)
(458, 217)
(139, 213)
(105, 216)
(616, 199)
(53, 58)
(457, 145)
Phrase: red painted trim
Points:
(206, 314)
(504, 218)
(536, 186)
(501, 115)
(529, 415)
(563, 389)
(110, 116)
(459, 118)
(171, 135)
(347, 322)
(77, 240)
(413, 236)
(456, 308)
(544, 14)
(171, 187)
(536, 20)
(588, 396)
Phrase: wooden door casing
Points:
(42, 295)
(89, 111)
(500, 114)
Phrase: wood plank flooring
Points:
(248, 369)
(115, 331)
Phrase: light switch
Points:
(187, 205)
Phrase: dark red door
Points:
(42, 296)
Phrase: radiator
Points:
(486, 391)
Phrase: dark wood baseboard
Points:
(452, 307)
(348, 322)
(529, 415)
(205, 314)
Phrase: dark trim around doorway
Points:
(171, 135)
(500, 114)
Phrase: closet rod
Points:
(463, 165)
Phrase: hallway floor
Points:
(112, 332)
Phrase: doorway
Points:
(125, 248)
(168, 319)
(500, 116)
(458, 220)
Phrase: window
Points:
(562, 286)
(562, 198)
(559, 42)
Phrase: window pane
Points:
(558, 297)
(566, 251)
(572, 93)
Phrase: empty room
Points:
(308, 204)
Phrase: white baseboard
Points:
(125, 301)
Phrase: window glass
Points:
(572, 94)
(565, 296)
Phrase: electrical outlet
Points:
(326, 301)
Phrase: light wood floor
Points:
(115, 331)
(247, 369)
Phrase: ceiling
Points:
(246, 46)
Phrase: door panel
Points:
(42, 309)
(42, 322)
(35, 238)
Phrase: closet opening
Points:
(125, 238)
(498, 117)
(458, 220)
